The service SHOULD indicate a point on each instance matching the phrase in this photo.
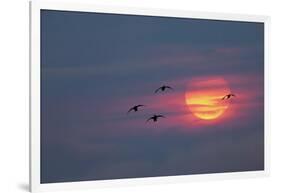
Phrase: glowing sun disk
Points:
(205, 102)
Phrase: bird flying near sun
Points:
(154, 118)
(135, 108)
(228, 96)
(204, 97)
(163, 88)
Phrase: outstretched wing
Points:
(157, 90)
(130, 110)
(169, 87)
(224, 97)
(161, 116)
(140, 105)
(150, 118)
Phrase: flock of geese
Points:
(163, 88)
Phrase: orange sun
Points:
(203, 97)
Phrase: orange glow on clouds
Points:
(203, 98)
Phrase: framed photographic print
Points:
(123, 95)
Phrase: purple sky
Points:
(94, 67)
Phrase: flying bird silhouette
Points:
(135, 108)
(155, 118)
(163, 88)
(228, 96)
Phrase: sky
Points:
(94, 67)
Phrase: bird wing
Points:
(169, 87)
(157, 90)
(161, 116)
(150, 118)
(130, 110)
(224, 97)
(140, 105)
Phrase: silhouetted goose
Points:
(163, 88)
(135, 108)
(155, 118)
(228, 96)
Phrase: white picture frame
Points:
(36, 6)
